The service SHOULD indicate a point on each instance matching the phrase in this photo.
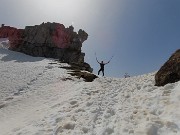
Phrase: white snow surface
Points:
(39, 98)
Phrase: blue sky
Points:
(141, 34)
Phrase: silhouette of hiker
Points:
(101, 66)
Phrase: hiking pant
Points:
(100, 71)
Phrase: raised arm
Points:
(97, 60)
(107, 62)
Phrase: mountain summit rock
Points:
(51, 40)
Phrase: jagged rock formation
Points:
(50, 40)
(170, 71)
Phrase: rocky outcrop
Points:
(170, 71)
(76, 70)
(50, 40)
(13, 34)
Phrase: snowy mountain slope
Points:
(39, 98)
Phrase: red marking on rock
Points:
(14, 35)
(61, 37)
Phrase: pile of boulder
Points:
(51, 40)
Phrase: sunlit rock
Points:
(170, 71)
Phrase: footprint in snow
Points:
(67, 126)
(85, 130)
(2, 105)
(109, 113)
(89, 104)
(73, 102)
(9, 98)
(169, 86)
(108, 131)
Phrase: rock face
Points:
(13, 34)
(50, 40)
(170, 71)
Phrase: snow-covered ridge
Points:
(39, 98)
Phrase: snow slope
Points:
(39, 98)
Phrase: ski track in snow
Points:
(38, 99)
